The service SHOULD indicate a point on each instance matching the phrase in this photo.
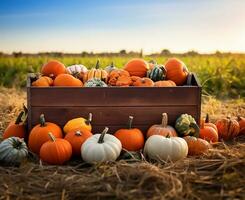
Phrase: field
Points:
(218, 174)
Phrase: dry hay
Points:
(219, 174)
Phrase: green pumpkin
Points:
(95, 82)
(158, 73)
(186, 125)
(13, 151)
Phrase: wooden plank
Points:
(106, 116)
(108, 97)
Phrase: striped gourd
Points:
(157, 73)
(95, 82)
(96, 73)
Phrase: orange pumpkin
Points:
(53, 68)
(134, 79)
(15, 129)
(208, 133)
(168, 83)
(39, 134)
(43, 81)
(143, 82)
(162, 129)
(196, 146)
(67, 80)
(227, 128)
(207, 123)
(132, 139)
(241, 121)
(124, 81)
(118, 74)
(55, 151)
(176, 71)
(137, 67)
(77, 138)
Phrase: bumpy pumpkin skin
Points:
(197, 146)
(53, 68)
(118, 74)
(43, 81)
(186, 125)
(78, 123)
(95, 83)
(176, 71)
(67, 80)
(13, 151)
(158, 73)
(144, 82)
(76, 139)
(124, 81)
(137, 67)
(101, 147)
(56, 151)
(241, 121)
(160, 148)
(162, 129)
(227, 128)
(39, 134)
(132, 139)
(15, 129)
(168, 83)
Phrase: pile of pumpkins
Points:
(161, 142)
(137, 72)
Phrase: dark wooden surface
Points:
(111, 106)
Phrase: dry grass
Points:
(219, 174)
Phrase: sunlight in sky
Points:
(76, 26)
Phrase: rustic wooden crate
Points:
(111, 106)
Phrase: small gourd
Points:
(158, 73)
(186, 125)
(95, 82)
(110, 68)
(77, 70)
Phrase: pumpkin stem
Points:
(78, 133)
(89, 120)
(51, 136)
(196, 128)
(168, 136)
(102, 135)
(164, 119)
(42, 120)
(112, 64)
(130, 121)
(17, 143)
(97, 64)
(207, 118)
(239, 118)
(18, 119)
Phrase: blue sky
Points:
(75, 26)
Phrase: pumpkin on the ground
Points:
(227, 128)
(137, 67)
(53, 68)
(196, 146)
(13, 151)
(208, 133)
(158, 147)
(186, 125)
(96, 72)
(77, 71)
(132, 139)
(101, 147)
(241, 121)
(117, 74)
(77, 138)
(208, 123)
(78, 123)
(176, 71)
(95, 82)
(55, 151)
(162, 129)
(167, 83)
(158, 73)
(39, 134)
(67, 80)
(43, 81)
(143, 82)
(17, 128)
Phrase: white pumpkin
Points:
(158, 147)
(101, 147)
(110, 68)
(13, 150)
(77, 70)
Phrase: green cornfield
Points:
(222, 76)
